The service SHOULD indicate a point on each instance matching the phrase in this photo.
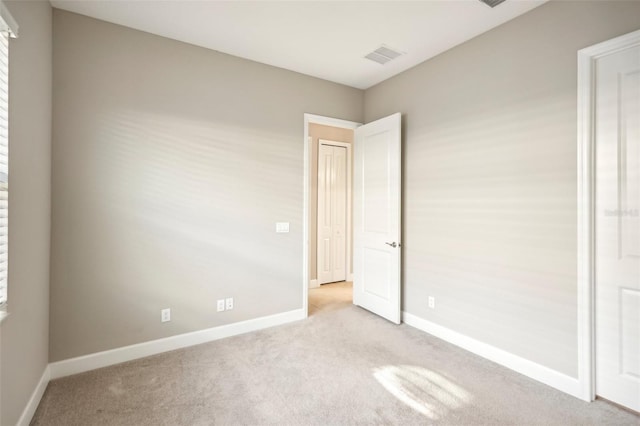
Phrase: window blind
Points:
(4, 162)
(8, 28)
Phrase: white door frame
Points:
(586, 215)
(327, 121)
(348, 248)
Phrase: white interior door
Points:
(376, 219)
(332, 213)
(617, 227)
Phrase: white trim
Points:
(34, 401)
(330, 121)
(585, 232)
(305, 223)
(521, 365)
(350, 277)
(348, 248)
(327, 121)
(141, 350)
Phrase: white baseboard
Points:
(34, 401)
(314, 284)
(127, 353)
(350, 277)
(538, 372)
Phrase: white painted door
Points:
(332, 213)
(376, 220)
(617, 227)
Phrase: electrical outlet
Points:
(229, 303)
(165, 315)
(220, 305)
(432, 302)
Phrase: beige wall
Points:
(490, 178)
(171, 165)
(24, 333)
(317, 132)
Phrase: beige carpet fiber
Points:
(341, 366)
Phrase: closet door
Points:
(332, 213)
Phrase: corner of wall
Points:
(25, 333)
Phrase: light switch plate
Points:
(282, 227)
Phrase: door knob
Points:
(393, 244)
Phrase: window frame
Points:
(8, 30)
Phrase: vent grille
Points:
(383, 54)
(492, 3)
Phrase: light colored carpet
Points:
(341, 366)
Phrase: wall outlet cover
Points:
(165, 315)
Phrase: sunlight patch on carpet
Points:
(423, 390)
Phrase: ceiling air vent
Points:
(383, 54)
(492, 3)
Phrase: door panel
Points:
(332, 213)
(617, 227)
(379, 262)
(629, 153)
(325, 160)
(339, 212)
(377, 202)
(629, 331)
(376, 262)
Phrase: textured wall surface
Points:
(171, 165)
(490, 178)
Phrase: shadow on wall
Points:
(182, 211)
(489, 198)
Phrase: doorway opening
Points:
(374, 226)
(328, 203)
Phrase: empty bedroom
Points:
(319, 212)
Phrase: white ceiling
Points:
(325, 39)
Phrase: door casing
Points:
(586, 214)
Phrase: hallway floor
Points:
(329, 297)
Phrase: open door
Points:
(376, 218)
(617, 226)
